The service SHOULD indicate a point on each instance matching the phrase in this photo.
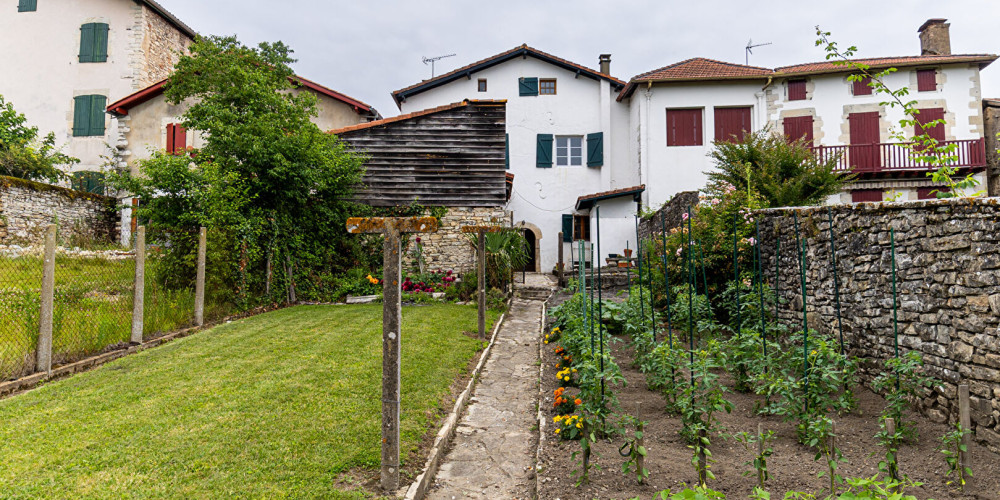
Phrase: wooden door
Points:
(865, 139)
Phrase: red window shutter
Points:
(866, 195)
(861, 87)
(930, 193)
(180, 139)
(170, 138)
(684, 127)
(799, 127)
(926, 80)
(796, 90)
(926, 116)
(731, 122)
(865, 136)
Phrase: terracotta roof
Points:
(415, 114)
(884, 62)
(523, 50)
(697, 69)
(122, 106)
(172, 19)
(588, 201)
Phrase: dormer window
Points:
(796, 90)
(926, 80)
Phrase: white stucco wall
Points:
(618, 225)
(42, 73)
(581, 106)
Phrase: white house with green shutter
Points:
(567, 139)
(66, 60)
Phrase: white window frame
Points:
(564, 149)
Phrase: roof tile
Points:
(415, 114)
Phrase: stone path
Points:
(493, 453)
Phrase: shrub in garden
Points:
(902, 383)
(564, 404)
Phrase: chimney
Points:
(935, 39)
(606, 64)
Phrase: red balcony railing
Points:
(893, 156)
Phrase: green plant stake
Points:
(836, 279)
(638, 255)
(736, 278)
(704, 277)
(600, 305)
(777, 266)
(805, 326)
(691, 280)
(760, 293)
(666, 281)
(628, 269)
(895, 320)
(652, 298)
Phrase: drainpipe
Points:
(644, 163)
(762, 112)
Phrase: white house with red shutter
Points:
(678, 110)
(654, 137)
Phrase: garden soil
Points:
(792, 466)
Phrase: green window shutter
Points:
(87, 35)
(527, 86)
(506, 151)
(81, 115)
(98, 103)
(567, 228)
(27, 6)
(100, 42)
(543, 151)
(595, 149)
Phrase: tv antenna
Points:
(432, 60)
(751, 46)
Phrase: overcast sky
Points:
(368, 48)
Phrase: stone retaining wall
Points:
(670, 213)
(948, 281)
(448, 249)
(27, 208)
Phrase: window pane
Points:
(561, 160)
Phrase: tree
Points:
(22, 154)
(783, 174)
(270, 184)
(922, 147)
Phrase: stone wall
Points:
(671, 214)
(991, 119)
(155, 48)
(948, 282)
(27, 208)
(449, 249)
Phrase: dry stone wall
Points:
(948, 282)
(448, 249)
(27, 208)
(670, 214)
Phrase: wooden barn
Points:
(451, 156)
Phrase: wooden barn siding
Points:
(452, 158)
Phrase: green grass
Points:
(273, 406)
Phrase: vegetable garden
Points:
(691, 377)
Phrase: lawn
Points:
(277, 405)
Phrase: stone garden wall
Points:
(27, 208)
(670, 213)
(948, 265)
(448, 249)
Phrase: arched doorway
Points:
(532, 262)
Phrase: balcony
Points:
(894, 157)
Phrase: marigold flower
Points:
(557, 431)
(577, 401)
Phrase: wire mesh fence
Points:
(20, 297)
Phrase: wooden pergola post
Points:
(481, 268)
(392, 228)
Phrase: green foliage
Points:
(24, 154)
(635, 450)
(819, 434)
(952, 447)
(902, 383)
(783, 174)
(268, 182)
(691, 309)
(750, 442)
(922, 147)
(890, 465)
(506, 251)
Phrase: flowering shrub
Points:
(570, 427)
(553, 336)
(565, 404)
(435, 281)
(565, 377)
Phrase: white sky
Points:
(368, 48)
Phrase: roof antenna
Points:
(432, 60)
(751, 46)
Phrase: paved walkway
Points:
(493, 454)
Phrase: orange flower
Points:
(577, 401)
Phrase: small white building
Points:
(66, 60)
(566, 136)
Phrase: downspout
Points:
(648, 94)
(762, 112)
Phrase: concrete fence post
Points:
(199, 283)
(140, 285)
(43, 353)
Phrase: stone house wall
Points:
(155, 48)
(27, 208)
(948, 282)
(449, 249)
(671, 213)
